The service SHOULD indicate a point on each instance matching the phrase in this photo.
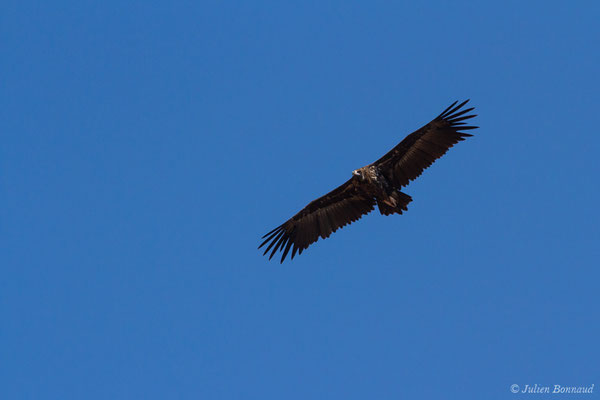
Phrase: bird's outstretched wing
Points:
(320, 217)
(420, 149)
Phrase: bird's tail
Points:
(395, 203)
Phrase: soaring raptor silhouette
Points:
(378, 184)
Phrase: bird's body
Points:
(375, 184)
(378, 183)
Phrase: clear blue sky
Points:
(146, 148)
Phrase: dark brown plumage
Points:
(378, 184)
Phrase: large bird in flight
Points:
(378, 184)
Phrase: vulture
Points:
(377, 184)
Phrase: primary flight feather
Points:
(378, 184)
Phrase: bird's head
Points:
(357, 173)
